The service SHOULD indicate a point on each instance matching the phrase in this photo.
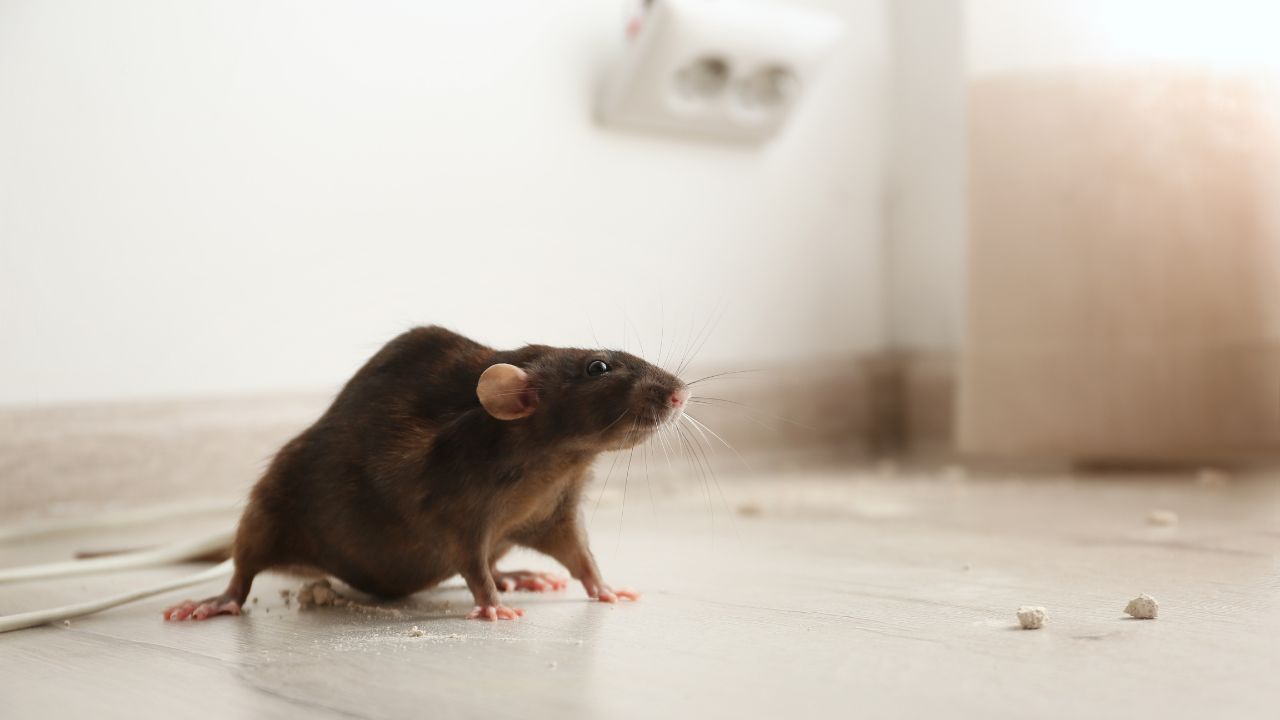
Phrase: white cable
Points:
(163, 555)
(66, 612)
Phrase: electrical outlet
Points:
(729, 69)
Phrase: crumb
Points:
(966, 567)
(750, 509)
(319, 594)
(1143, 607)
(284, 593)
(66, 623)
(1165, 518)
(1032, 617)
(416, 631)
(1212, 476)
(551, 665)
(255, 599)
(578, 643)
(266, 610)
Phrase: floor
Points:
(850, 593)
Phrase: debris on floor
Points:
(415, 631)
(1166, 518)
(1032, 617)
(1143, 607)
(319, 594)
(1212, 476)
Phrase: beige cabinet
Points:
(1124, 267)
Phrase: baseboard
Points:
(69, 459)
(80, 458)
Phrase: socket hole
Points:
(767, 90)
(702, 80)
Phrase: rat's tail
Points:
(163, 555)
(66, 612)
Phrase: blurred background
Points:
(1037, 229)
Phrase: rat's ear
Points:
(506, 393)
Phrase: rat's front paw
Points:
(494, 612)
(604, 593)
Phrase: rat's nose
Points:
(679, 397)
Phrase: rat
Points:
(438, 457)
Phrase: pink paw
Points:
(202, 610)
(606, 594)
(531, 581)
(494, 612)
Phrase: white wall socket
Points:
(729, 69)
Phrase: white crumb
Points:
(552, 665)
(1032, 617)
(1212, 476)
(416, 632)
(319, 594)
(66, 623)
(1166, 518)
(1143, 607)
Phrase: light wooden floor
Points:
(839, 594)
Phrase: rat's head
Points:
(590, 399)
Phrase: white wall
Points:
(224, 196)
(927, 217)
(1006, 35)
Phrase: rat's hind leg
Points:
(256, 548)
(564, 539)
(531, 580)
(252, 545)
(228, 603)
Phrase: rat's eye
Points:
(597, 368)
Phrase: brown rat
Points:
(438, 457)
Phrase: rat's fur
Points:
(407, 480)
